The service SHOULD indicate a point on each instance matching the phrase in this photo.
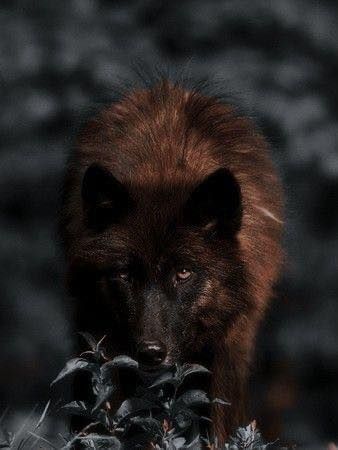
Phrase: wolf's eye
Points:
(183, 275)
(123, 275)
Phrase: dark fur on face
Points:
(171, 225)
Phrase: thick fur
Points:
(160, 143)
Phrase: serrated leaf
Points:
(247, 437)
(76, 407)
(165, 378)
(184, 418)
(125, 362)
(97, 441)
(148, 424)
(119, 362)
(132, 406)
(193, 397)
(74, 365)
(189, 369)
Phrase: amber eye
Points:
(183, 275)
(123, 275)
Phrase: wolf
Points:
(171, 225)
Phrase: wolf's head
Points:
(161, 262)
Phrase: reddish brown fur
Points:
(167, 139)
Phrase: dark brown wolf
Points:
(172, 224)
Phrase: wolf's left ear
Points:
(215, 204)
(105, 199)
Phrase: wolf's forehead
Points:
(161, 177)
(153, 226)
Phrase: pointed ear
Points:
(215, 204)
(105, 199)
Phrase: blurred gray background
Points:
(280, 58)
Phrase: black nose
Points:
(151, 353)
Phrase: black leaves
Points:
(248, 438)
(119, 362)
(177, 377)
(76, 407)
(163, 414)
(96, 441)
(73, 366)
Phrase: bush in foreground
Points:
(163, 412)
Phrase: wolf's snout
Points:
(151, 353)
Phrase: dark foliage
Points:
(161, 415)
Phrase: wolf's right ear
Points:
(215, 204)
(105, 199)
